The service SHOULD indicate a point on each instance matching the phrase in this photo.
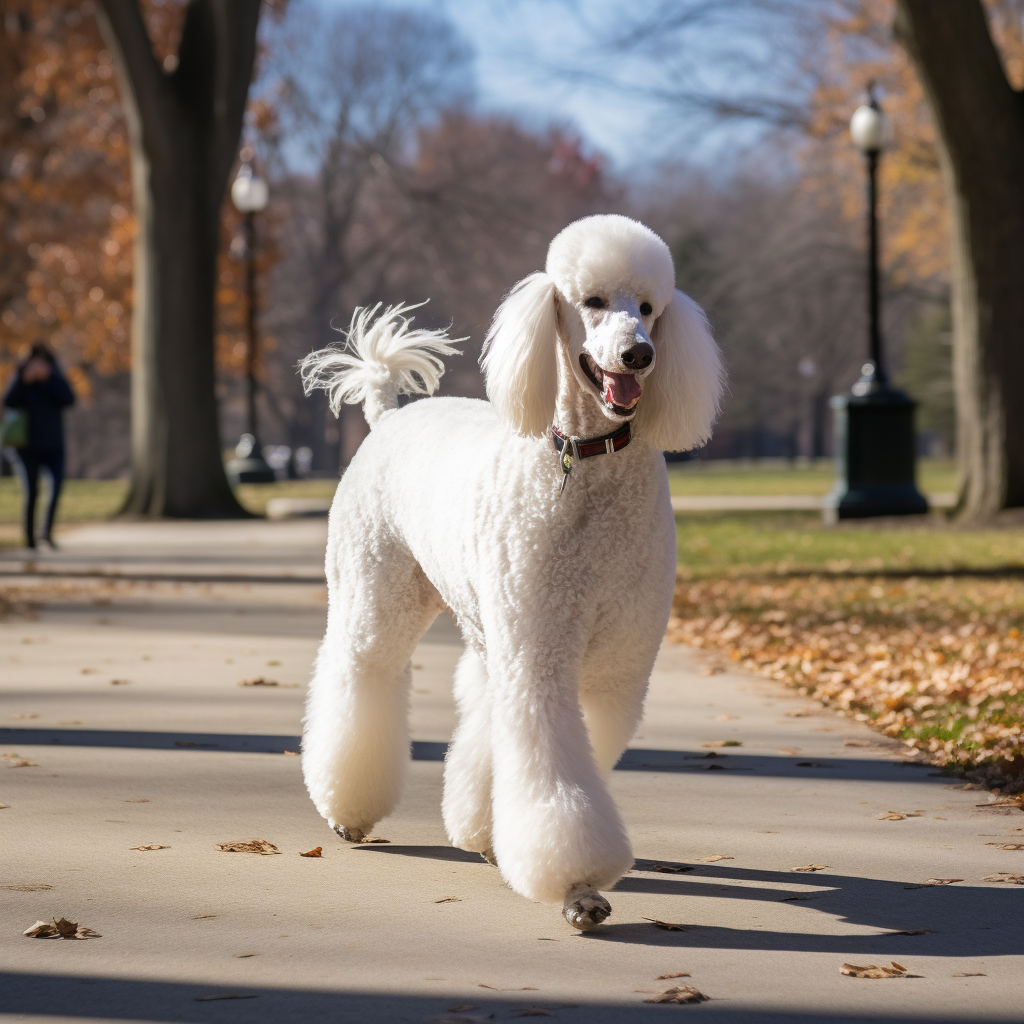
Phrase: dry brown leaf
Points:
(150, 846)
(41, 887)
(874, 970)
(667, 925)
(682, 994)
(969, 974)
(374, 839)
(62, 929)
(449, 899)
(715, 857)
(225, 995)
(931, 881)
(250, 846)
(856, 743)
(493, 988)
(290, 753)
(672, 974)
(723, 743)
(1005, 876)
(272, 663)
(259, 681)
(1007, 846)
(671, 869)
(120, 682)
(899, 815)
(810, 867)
(4, 806)
(317, 851)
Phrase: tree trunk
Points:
(980, 122)
(184, 127)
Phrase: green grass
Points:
(735, 544)
(730, 477)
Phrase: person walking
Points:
(43, 393)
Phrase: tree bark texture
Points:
(980, 123)
(185, 126)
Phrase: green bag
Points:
(14, 429)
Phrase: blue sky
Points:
(526, 51)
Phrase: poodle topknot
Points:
(542, 520)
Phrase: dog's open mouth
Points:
(620, 392)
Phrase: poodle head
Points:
(638, 347)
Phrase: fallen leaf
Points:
(22, 763)
(671, 869)
(63, 929)
(245, 956)
(449, 899)
(25, 714)
(1001, 876)
(252, 846)
(715, 857)
(27, 888)
(910, 931)
(930, 882)
(789, 751)
(151, 846)
(290, 753)
(259, 681)
(874, 971)
(120, 682)
(1007, 846)
(317, 851)
(272, 663)
(204, 917)
(856, 743)
(898, 816)
(3, 806)
(810, 867)
(970, 974)
(226, 995)
(723, 743)
(799, 896)
(682, 994)
(373, 839)
(672, 974)
(667, 925)
(493, 988)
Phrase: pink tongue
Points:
(622, 389)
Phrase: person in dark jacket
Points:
(42, 391)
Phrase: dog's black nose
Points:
(639, 357)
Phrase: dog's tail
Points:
(380, 358)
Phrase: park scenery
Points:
(780, 779)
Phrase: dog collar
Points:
(572, 448)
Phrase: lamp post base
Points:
(875, 456)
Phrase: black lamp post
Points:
(874, 424)
(250, 194)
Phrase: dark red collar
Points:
(587, 447)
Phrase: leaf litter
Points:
(928, 882)
(1004, 876)
(17, 761)
(62, 929)
(317, 851)
(150, 846)
(715, 857)
(899, 815)
(668, 925)
(249, 846)
(1007, 846)
(875, 970)
(680, 994)
(810, 867)
(672, 974)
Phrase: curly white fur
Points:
(562, 596)
(380, 358)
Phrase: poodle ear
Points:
(681, 398)
(519, 356)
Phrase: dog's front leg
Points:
(558, 836)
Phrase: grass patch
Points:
(255, 496)
(737, 544)
(768, 477)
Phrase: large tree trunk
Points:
(185, 127)
(980, 122)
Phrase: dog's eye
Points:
(595, 302)
(646, 309)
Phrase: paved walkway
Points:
(123, 690)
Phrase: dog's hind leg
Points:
(468, 767)
(355, 745)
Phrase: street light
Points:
(874, 424)
(250, 194)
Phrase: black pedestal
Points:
(875, 455)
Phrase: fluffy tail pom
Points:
(380, 358)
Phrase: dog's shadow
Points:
(865, 915)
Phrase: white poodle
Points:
(542, 519)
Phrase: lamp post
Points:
(875, 444)
(250, 194)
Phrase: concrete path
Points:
(122, 688)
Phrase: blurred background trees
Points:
(388, 181)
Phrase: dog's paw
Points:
(350, 835)
(488, 855)
(585, 908)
